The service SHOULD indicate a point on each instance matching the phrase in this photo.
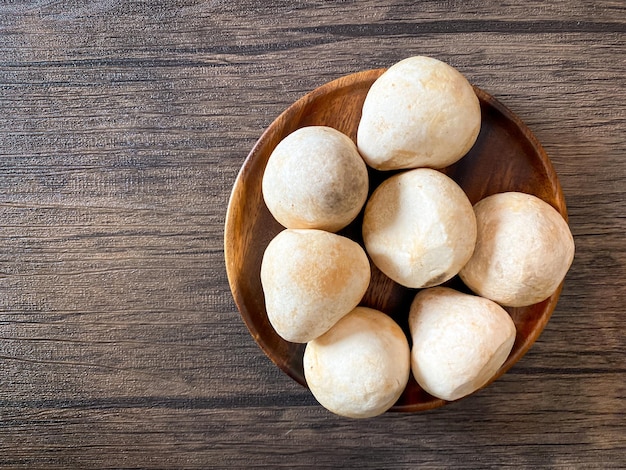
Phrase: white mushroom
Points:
(523, 250)
(315, 178)
(419, 228)
(311, 279)
(360, 367)
(459, 341)
(420, 113)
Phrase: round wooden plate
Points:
(506, 157)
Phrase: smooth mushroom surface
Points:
(360, 367)
(419, 228)
(524, 249)
(315, 178)
(420, 113)
(311, 278)
(459, 341)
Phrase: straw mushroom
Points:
(420, 113)
(524, 248)
(459, 341)
(360, 367)
(419, 228)
(311, 278)
(315, 178)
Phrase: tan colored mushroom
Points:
(459, 341)
(523, 250)
(311, 278)
(360, 367)
(315, 178)
(419, 228)
(420, 113)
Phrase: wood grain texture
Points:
(123, 125)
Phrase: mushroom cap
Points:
(523, 250)
(459, 341)
(360, 367)
(311, 278)
(420, 113)
(419, 228)
(315, 178)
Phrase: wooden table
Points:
(122, 128)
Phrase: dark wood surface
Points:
(123, 125)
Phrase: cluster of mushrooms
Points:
(420, 229)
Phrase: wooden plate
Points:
(506, 157)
